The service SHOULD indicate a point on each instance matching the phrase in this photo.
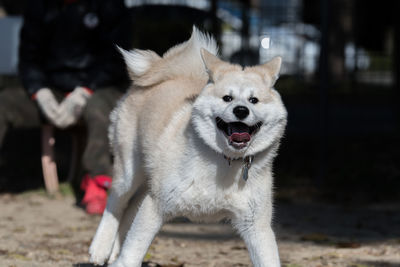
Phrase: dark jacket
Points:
(69, 43)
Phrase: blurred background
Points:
(339, 81)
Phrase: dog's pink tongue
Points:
(240, 137)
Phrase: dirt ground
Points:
(39, 231)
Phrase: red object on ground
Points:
(103, 181)
(95, 198)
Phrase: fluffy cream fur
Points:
(169, 152)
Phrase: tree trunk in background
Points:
(216, 27)
(245, 31)
(324, 86)
(396, 59)
(340, 13)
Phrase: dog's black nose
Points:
(241, 112)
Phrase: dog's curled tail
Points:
(146, 68)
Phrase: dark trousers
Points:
(17, 110)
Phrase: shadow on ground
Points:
(378, 264)
(322, 223)
(326, 223)
(144, 264)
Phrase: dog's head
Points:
(238, 113)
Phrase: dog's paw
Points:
(121, 264)
(114, 253)
(97, 260)
(98, 254)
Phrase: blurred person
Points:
(72, 71)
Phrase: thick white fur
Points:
(169, 153)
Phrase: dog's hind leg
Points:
(126, 222)
(147, 223)
(128, 176)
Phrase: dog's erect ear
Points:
(270, 70)
(214, 66)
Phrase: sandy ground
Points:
(38, 231)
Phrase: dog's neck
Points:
(247, 161)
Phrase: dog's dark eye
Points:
(227, 98)
(253, 100)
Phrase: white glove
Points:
(72, 107)
(48, 105)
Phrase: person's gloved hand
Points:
(72, 107)
(48, 105)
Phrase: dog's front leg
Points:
(106, 233)
(145, 226)
(259, 238)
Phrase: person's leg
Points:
(96, 158)
(16, 110)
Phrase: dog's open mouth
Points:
(238, 133)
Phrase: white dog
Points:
(194, 137)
